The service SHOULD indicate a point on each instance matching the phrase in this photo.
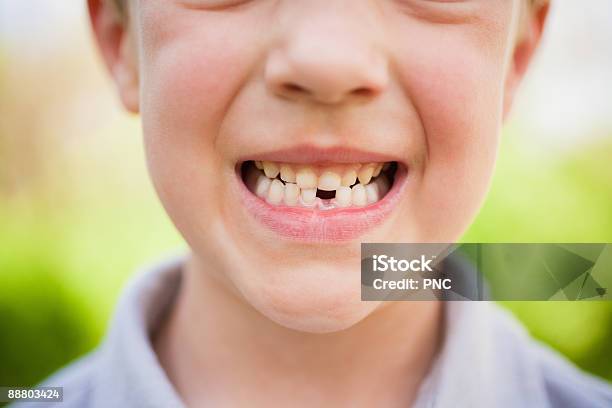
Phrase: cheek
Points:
(190, 73)
(455, 85)
(460, 106)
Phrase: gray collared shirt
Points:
(487, 360)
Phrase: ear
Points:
(117, 48)
(526, 45)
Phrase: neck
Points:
(216, 348)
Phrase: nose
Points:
(327, 60)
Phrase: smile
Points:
(315, 198)
(320, 187)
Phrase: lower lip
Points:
(337, 225)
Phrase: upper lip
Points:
(311, 154)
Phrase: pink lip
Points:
(336, 225)
(314, 154)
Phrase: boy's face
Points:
(327, 87)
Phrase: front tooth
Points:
(329, 181)
(262, 186)
(292, 192)
(349, 178)
(365, 173)
(306, 178)
(309, 195)
(343, 196)
(276, 192)
(270, 169)
(358, 195)
(372, 193)
(287, 173)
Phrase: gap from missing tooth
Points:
(326, 195)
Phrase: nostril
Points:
(294, 88)
(363, 91)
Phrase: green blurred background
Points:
(78, 215)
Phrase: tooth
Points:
(309, 195)
(349, 178)
(292, 192)
(259, 165)
(377, 170)
(270, 169)
(365, 173)
(306, 178)
(262, 186)
(383, 185)
(372, 193)
(343, 196)
(329, 181)
(287, 173)
(276, 192)
(358, 195)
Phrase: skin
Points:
(209, 78)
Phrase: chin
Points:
(314, 301)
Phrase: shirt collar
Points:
(484, 362)
(130, 374)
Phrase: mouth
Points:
(320, 200)
(322, 188)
